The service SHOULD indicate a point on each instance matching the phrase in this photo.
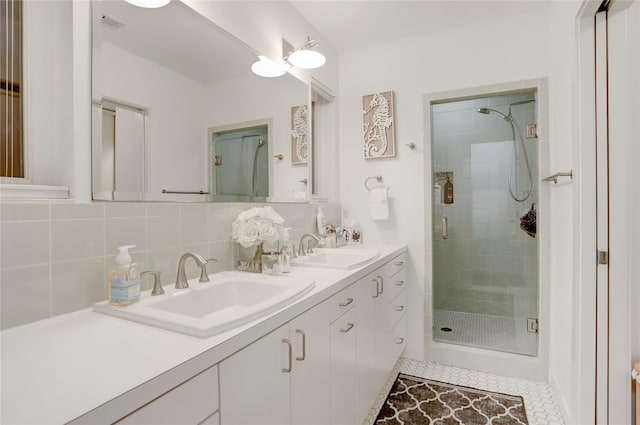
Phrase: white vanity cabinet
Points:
(382, 329)
(343, 358)
(192, 402)
(282, 378)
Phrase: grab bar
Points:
(445, 227)
(554, 178)
(185, 193)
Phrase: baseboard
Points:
(562, 401)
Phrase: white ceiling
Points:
(353, 24)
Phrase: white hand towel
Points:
(379, 203)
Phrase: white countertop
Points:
(90, 367)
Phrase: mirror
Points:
(177, 114)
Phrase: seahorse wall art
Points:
(299, 132)
(377, 115)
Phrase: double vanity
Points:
(312, 346)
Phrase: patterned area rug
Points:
(414, 401)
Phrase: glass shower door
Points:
(485, 251)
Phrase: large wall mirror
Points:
(177, 114)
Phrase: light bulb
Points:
(266, 68)
(149, 4)
(307, 59)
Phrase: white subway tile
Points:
(75, 239)
(24, 243)
(25, 295)
(23, 211)
(78, 284)
(125, 231)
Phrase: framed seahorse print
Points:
(299, 134)
(377, 117)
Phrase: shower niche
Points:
(485, 266)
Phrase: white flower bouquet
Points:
(257, 225)
(255, 231)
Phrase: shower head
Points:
(489, 110)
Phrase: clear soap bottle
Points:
(124, 281)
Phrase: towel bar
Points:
(554, 178)
(378, 178)
(185, 193)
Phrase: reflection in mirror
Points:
(246, 146)
(167, 83)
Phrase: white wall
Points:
(487, 53)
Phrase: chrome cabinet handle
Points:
(399, 307)
(346, 303)
(445, 227)
(399, 282)
(377, 288)
(304, 346)
(288, 369)
(399, 263)
(348, 328)
(399, 340)
(381, 286)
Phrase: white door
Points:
(616, 66)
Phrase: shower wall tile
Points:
(55, 255)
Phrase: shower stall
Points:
(484, 181)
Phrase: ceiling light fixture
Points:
(266, 68)
(149, 4)
(304, 57)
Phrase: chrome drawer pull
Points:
(346, 303)
(304, 345)
(377, 288)
(348, 328)
(399, 263)
(399, 340)
(381, 285)
(399, 282)
(399, 307)
(288, 369)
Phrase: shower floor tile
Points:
(499, 333)
(540, 404)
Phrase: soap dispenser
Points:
(124, 281)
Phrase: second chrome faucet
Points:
(181, 278)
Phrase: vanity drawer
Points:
(397, 309)
(395, 265)
(342, 302)
(395, 284)
(193, 401)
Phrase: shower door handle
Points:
(445, 227)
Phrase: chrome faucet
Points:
(181, 279)
(301, 250)
(157, 285)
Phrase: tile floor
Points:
(501, 333)
(539, 402)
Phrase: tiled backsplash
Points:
(54, 256)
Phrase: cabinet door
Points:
(311, 375)
(255, 382)
(343, 370)
(369, 370)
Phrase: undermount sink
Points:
(229, 300)
(337, 258)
